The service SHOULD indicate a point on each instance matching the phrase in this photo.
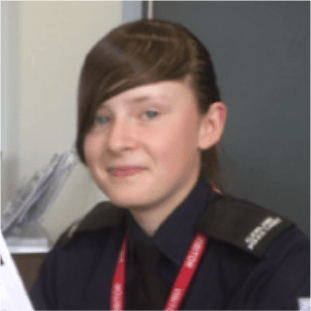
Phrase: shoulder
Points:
(84, 246)
(273, 254)
(102, 218)
(247, 226)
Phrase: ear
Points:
(212, 125)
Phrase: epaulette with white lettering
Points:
(239, 223)
(242, 224)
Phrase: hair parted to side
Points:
(144, 52)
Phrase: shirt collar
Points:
(175, 235)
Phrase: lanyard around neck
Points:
(183, 278)
(180, 285)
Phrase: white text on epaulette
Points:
(260, 231)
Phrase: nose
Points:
(122, 136)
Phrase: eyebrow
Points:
(137, 100)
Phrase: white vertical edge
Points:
(3, 88)
(150, 9)
(10, 99)
(4, 73)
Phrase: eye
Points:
(151, 114)
(101, 120)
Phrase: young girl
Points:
(149, 121)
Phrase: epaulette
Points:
(103, 216)
(242, 224)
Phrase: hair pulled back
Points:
(141, 53)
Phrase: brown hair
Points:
(144, 52)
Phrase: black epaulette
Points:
(239, 223)
(242, 224)
(103, 216)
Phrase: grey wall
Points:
(261, 52)
(131, 11)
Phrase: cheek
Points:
(177, 144)
(93, 146)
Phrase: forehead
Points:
(164, 91)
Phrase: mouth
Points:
(124, 171)
(124, 168)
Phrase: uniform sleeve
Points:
(43, 292)
(283, 284)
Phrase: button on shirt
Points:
(77, 275)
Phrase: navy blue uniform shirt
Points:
(255, 259)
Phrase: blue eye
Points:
(152, 111)
(101, 120)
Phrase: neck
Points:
(152, 217)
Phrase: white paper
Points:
(13, 295)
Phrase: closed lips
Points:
(124, 168)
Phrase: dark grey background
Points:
(261, 53)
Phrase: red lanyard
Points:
(180, 285)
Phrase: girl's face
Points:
(143, 150)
